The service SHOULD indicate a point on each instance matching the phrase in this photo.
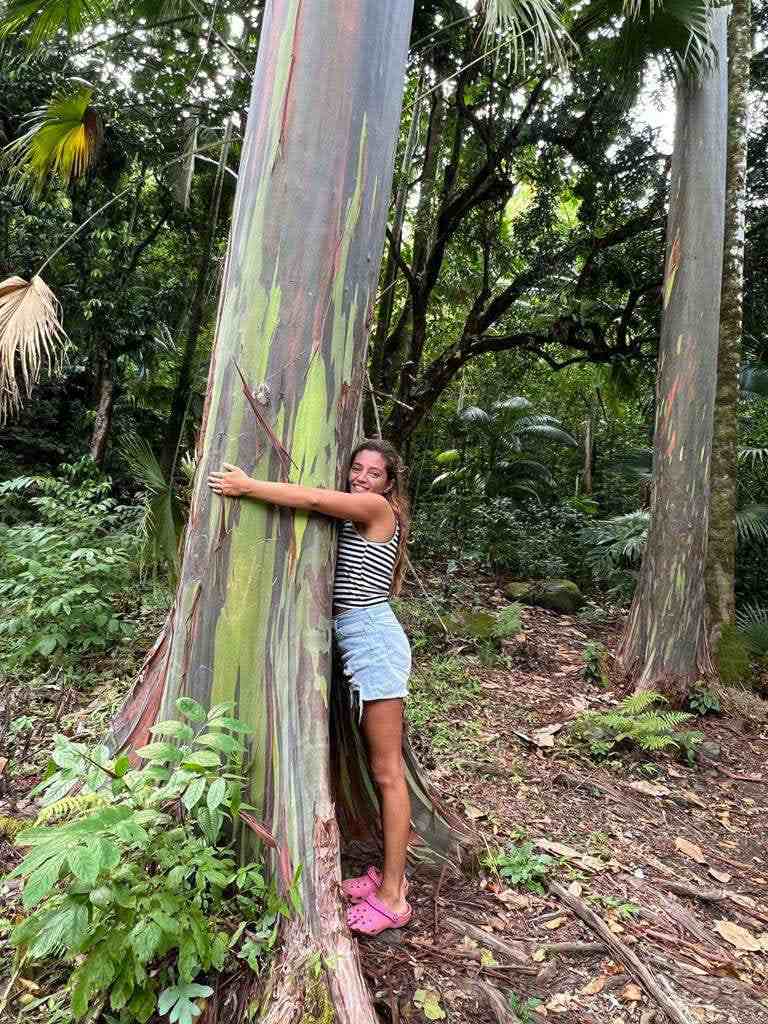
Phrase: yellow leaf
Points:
(690, 850)
(738, 936)
(551, 925)
(538, 955)
(594, 986)
(631, 992)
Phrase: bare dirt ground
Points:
(670, 860)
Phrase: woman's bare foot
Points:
(393, 899)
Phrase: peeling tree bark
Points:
(721, 551)
(105, 404)
(665, 645)
(250, 622)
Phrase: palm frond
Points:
(752, 524)
(546, 431)
(61, 138)
(526, 469)
(31, 335)
(753, 455)
(752, 623)
(534, 22)
(161, 519)
(47, 17)
(473, 415)
(515, 404)
(678, 31)
(754, 380)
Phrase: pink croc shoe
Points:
(365, 885)
(370, 917)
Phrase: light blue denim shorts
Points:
(375, 653)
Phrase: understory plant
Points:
(640, 721)
(67, 550)
(133, 882)
(519, 865)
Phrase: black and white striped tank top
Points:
(364, 568)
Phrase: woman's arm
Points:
(359, 508)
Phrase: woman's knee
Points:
(388, 772)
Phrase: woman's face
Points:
(368, 472)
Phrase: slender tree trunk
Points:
(180, 400)
(665, 645)
(105, 403)
(251, 618)
(389, 280)
(589, 448)
(721, 551)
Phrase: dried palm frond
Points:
(31, 334)
(62, 138)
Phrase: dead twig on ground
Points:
(671, 1004)
(490, 941)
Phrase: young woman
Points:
(374, 649)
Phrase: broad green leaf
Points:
(234, 724)
(178, 730)
(142, 1005)
(160, 752)
(166, 922)
(85, 861)
(219, 741)
(145, 939)
(203, 759)
(216, 794)
(110, 854)
(193, 793)
(41, 881)
(191, 709)
(218, 710)
(121, 766)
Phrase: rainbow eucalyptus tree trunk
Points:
(665, 645)
(250, 622)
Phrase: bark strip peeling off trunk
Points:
(251, 619)
(665, 645)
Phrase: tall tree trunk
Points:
(387, 303)
(105, 403)
(180, 400)
(721, 551)
(250, 622)
(665, 645)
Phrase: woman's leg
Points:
(383, 731)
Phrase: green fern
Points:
(70, 807)
(637, 721)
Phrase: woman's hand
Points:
(231, 483)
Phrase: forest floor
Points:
(669, 859)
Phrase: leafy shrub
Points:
(638, 721)
(136, 889)
(520, 865)
(594, 656)
(439, 688)
(61, 572)
(702, 701)
(527, 541)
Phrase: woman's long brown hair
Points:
(397, 496)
